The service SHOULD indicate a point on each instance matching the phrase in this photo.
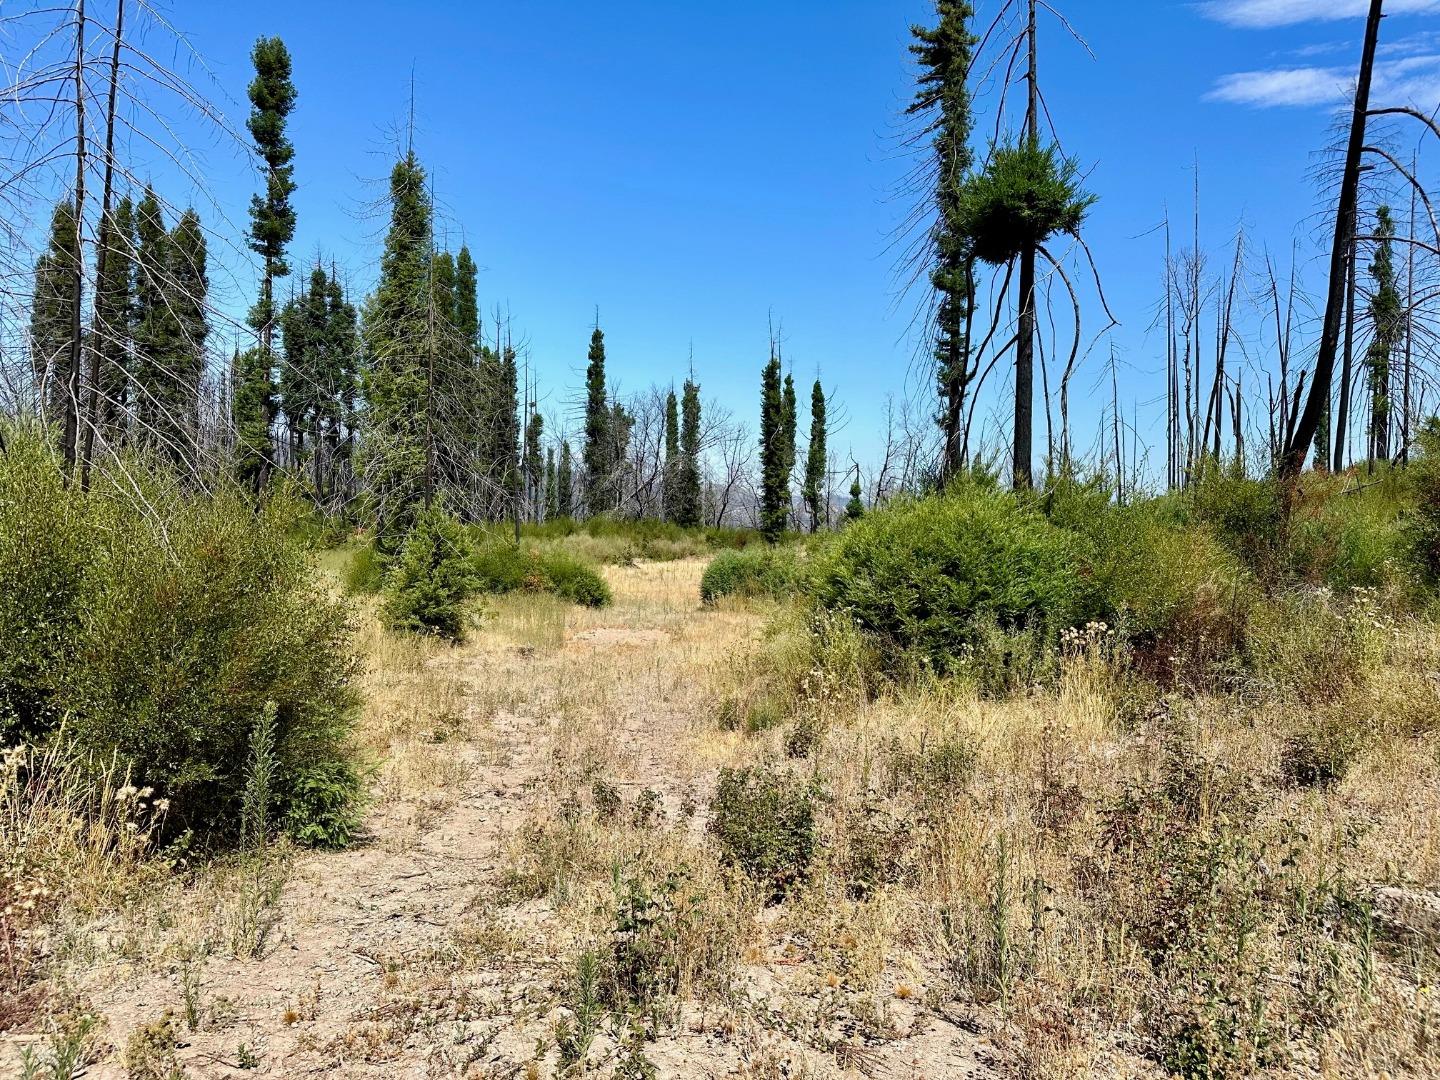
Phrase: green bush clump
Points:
(762, 571)
(430, 578)
(1246, 514)
(1358, 537)
(157, 622)
(573, 579)
(927, 578)
(1424, 519)
(46, 563)
(764, 822)
(501, 566)
(364, 573)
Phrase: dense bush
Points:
(427, 584)
(926, 578)
(364, 572)
(501, 566)
(573, 579)
(1246, 514)
(764, 822)
(760, 571)
(1424, 518)
(156, 622)
(622, 540)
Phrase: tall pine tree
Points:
(565, 482)
(774, 476)
(53, 311)
(670, 504)
(945, 54)
(114, 303)
(687, 481)
(599, 450)
(1388, 326)
(398, 422)
(552, 489)
(272, 227)
(816, 461)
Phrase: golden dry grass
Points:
(1096, 879)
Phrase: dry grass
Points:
(1097, 880)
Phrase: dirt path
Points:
(408, 956)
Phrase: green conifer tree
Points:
(565, 481)
(855, 508)
(272, 218)
(670, 496)
(534, 464)
(945, 55)
(816, 460)
(187, 295)
(552, 490)
(393, 453)
(114, 304)
(1388, 328)
(155, 328)
(272, 226)
(52, 312)
(599, 452)
(687, 483)
(774, 477)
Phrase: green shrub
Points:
(1424, 522)
(365, 572)
(925, 578)
(47, 560)
(501, 566)
(573, 579)
(323, 801)
(764, 822)
(762, 571)
(427, 584)
(1180, 597)
(167, 622)
(1245, 514)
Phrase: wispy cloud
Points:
(1264, 14)
(1408, 80)
(1279, 86)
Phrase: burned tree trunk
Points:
(1293, 458)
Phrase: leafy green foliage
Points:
(764, 822)
(599, 449)
(816, 461)
(322, 803)
(429, 580)
(501, 566)
(752, 572)
(161, 626)
(925, 577)
(573, 579)
(775, 461)
(1424, 519)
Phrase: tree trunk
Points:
(1342, 408)
(72, 367)
(92, 408)
(1293, 458)
(1025, 347)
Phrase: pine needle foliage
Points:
(1024, 195)
(429, 581)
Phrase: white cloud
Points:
(1411, 80)
(1264, 14)
(1281, 86)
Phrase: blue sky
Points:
(691, 169)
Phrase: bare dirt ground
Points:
(412, 954)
